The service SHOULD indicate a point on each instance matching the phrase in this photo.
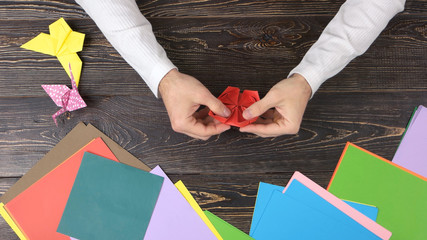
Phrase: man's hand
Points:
(182, 95)
(288, 98)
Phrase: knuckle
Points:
(177, 125)
(204, 138)
(176, 128)
(294, 129)
(261, 135)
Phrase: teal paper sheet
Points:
(109, 200)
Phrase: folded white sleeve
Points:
(349, 34)
(130, 33)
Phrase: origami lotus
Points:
(68, 99)
(237, 103)
(63, 43)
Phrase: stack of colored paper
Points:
(399, 194)
(396, 199)
(79, 188)
(398, 190)
(88, 187)
(304, 210)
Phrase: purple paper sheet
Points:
(173, 217)
(412, 152)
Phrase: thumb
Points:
(216, 106)
(258, 108)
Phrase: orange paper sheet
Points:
(38, 209)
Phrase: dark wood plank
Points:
(140, 124)
(53, 9)
(219, 53)
(243, 8)
(6, 232)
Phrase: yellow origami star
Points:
(63, 43)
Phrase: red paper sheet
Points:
(237, 102)
(38, 209)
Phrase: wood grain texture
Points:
(372, 120)
(53, 9)
(250, 44)
(264, 51)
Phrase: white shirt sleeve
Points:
(131, 35)
(349, 34)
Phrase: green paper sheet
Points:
(109, 200)
(400, 195)
(407, 125)
(226, 230)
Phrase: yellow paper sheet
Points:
(187, 195)
(11, 223)
(63, 43)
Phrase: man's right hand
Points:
(183, 95)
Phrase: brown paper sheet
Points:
(77, 138)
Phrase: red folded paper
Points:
(237, 102)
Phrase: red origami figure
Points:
(237, 102)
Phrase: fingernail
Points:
(227, 112)
(247, 114)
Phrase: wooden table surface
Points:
(249, 44)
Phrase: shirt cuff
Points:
(157, 74)
(311, 75)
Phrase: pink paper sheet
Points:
(368, 223)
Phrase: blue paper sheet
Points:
(367, 210)
(263, 197)
(300, 213)
(265, 190)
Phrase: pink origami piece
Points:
(68, 99)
